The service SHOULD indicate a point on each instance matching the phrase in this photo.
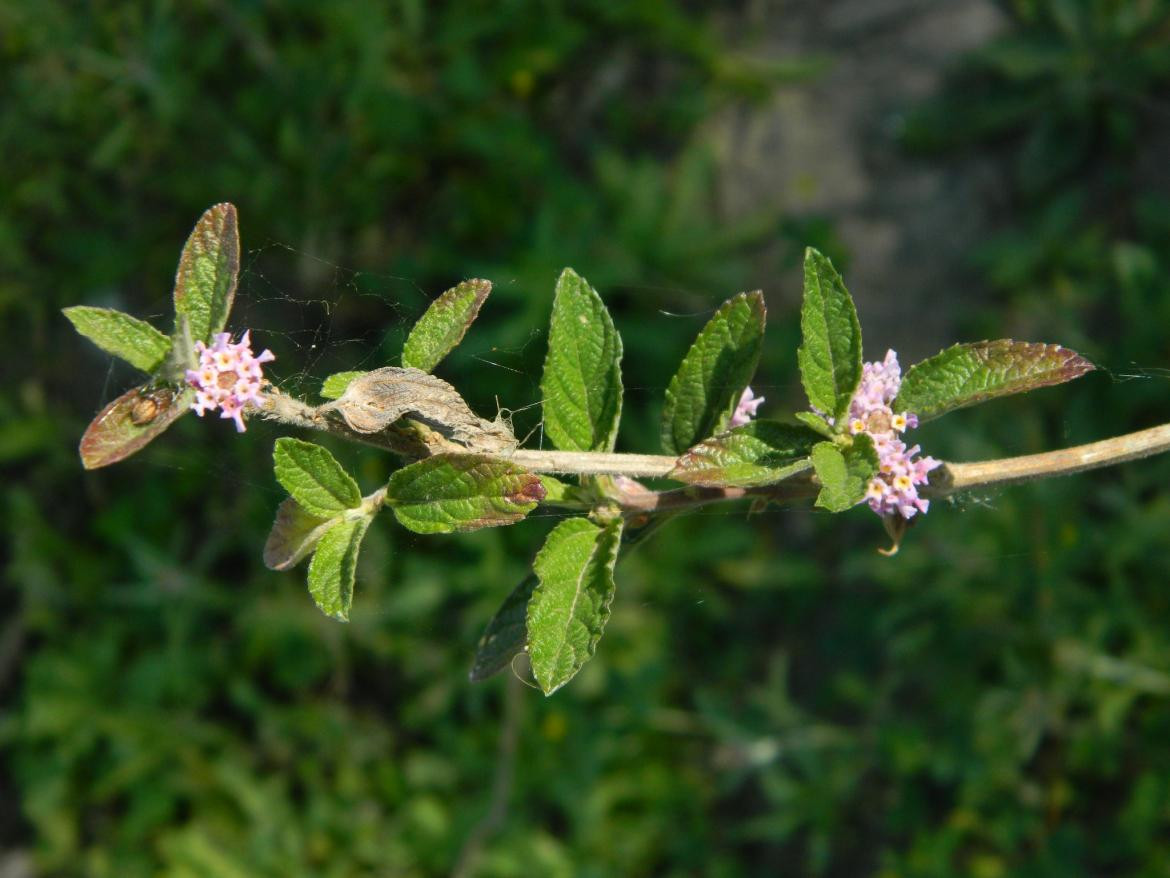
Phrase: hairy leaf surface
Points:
(334, 564)
(844, 473)
(705, 390)
(582, 381)
(830, 351)
(570, 604)
(461, 492)
(294, 534)
(131, 339)
(334, 386)
(966, 374)
(757, 453)
(205, 283)
(443, 325)
(314, 478)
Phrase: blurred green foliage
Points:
(770, 696)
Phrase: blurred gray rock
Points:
(828, 148)
(16, 864)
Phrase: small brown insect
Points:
(150, 404)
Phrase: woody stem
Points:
(1062, 462)
(947, 479)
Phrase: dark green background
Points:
(771, 696)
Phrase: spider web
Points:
(322, 317)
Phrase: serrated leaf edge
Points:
(1079, 366)
(754, 299)
(609, 564)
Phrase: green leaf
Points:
(331, 572)
(461, 492)
(570, 604)
(314, 478)
(582, 381)
(294, 534)
(757, 453)
(131, 421)
(135, 341)
(209, 267)
(557, 492)
(444, 324)
(844, 473)
(182, 355)
(815, 423)
(334, 386)
(830, 350)
(970, 373)
(704, 392)
(506, 634)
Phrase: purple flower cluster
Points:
(745, 410)
(894, 490)
(229, 377)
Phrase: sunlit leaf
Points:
(558, 492)
(205, 283)
(844, 473)
(570, 604)
(314, 478)
(757, 453)
(582, 381)
(444, 324)
(704, 391)
(334, 386)
(830, 350)
(966, 374)
(334, 563)
(133, 340)
(461, 492)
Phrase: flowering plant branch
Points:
(462, 472)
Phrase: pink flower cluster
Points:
(745, 410)
(894, 490)
(228, 378)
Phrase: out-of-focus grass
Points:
(770, 694)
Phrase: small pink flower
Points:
(745, 410)
(894, 490)
(229, 377)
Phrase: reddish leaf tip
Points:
(130, 422)
(532, 491)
